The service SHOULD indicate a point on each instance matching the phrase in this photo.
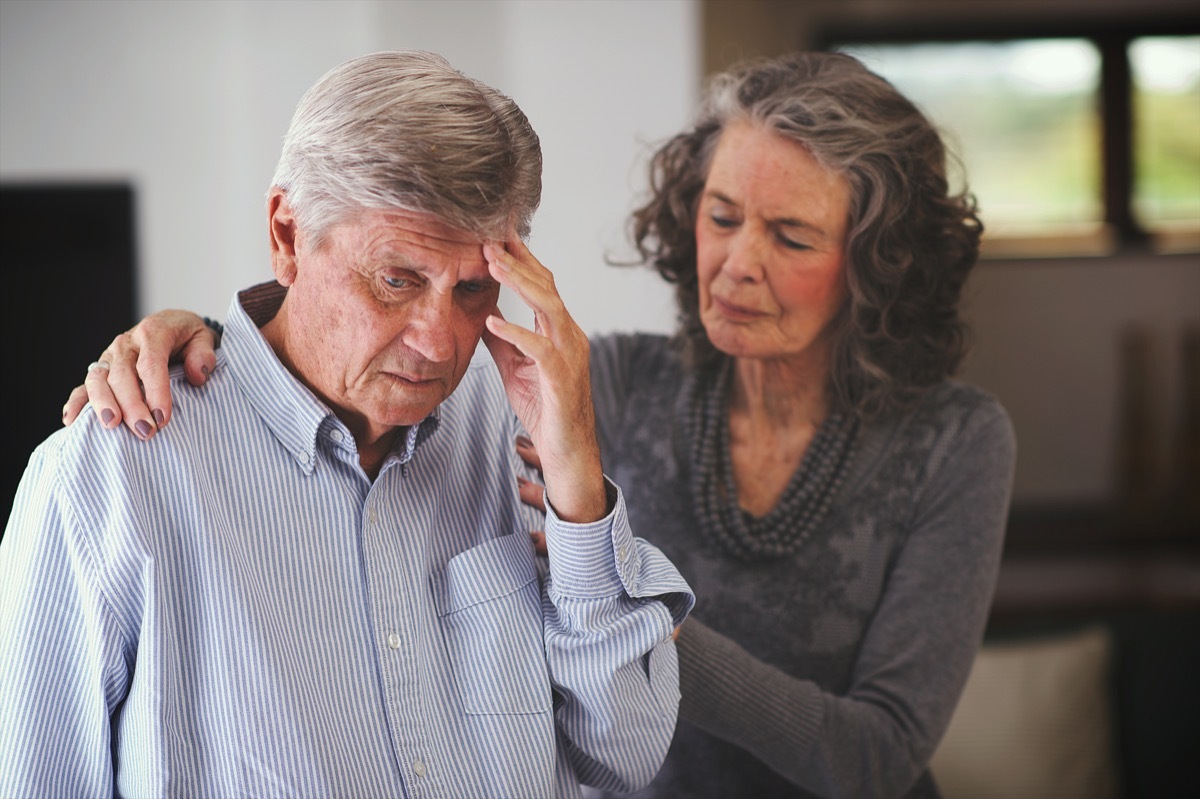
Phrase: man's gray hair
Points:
(406, 131)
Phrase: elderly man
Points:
(318, 580)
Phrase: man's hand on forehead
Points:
(547, 378)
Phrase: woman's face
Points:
(770, 247)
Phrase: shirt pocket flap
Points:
(491, 570)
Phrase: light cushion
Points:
(1035, 720)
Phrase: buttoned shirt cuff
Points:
(593, 560)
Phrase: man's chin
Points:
(408, 410)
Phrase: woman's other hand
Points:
(130, 380)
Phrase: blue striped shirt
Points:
(234, 609)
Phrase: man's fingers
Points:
(522, 342)
(532, 283)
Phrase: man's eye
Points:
(398, 282)
(474, 286)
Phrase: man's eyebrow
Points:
(480, 281)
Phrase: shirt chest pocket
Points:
(489, 605)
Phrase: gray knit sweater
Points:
(833, 671)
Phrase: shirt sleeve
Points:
(611, 604)
(64, 666)
(914, 659)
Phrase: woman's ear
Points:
(281, 227)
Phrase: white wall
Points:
(190, 99)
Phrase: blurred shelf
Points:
(1063, 564)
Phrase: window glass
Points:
(1024, 118)
(1165, 72)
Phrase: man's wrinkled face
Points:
(385, 315)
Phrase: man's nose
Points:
(430, 329)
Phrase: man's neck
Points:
(371, 456)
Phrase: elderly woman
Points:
(799, 448)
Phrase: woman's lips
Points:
(735, 312)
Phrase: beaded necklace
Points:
(805, 501)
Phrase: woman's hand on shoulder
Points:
(130, 380)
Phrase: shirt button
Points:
(393, 640)
(419, 768)
(371, 515)
(336, 435)
(303, 457)
(623, 553)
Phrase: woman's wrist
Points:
(216, 327)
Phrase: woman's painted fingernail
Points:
(106, 416)
(159, 416)
(143, 428)
(522, 482)
(524, 442)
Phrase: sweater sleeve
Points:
(877, 738)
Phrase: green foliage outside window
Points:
(1025, 118)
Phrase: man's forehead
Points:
(420, 224)
(409, 237)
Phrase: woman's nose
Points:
(745, 259)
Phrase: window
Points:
(1165, 74)
(1081, 144)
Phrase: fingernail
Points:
(524, 442)
(204, 371)
(522, 482)
(64, 411)
(158, 417)
(143, 428)
(106, 416)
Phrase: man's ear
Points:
(281, 227)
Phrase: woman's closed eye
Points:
(792, 244)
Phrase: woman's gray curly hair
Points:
(910, 245)
(404, 130)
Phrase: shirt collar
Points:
(290, 410)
